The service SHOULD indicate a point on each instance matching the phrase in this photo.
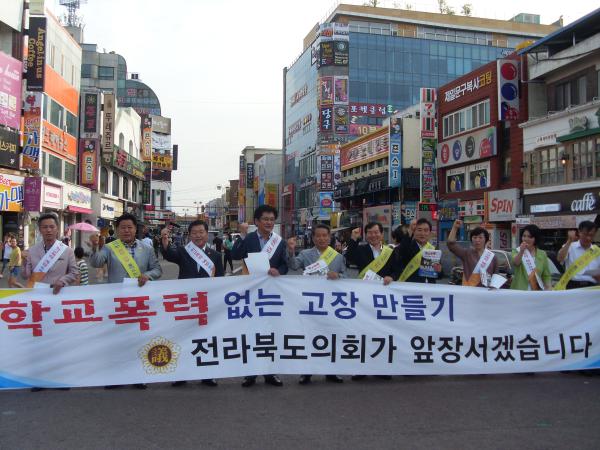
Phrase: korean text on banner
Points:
(212, 328)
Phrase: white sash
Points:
(200, 257)
(529, 263)
(319, 266)
(272, 245)
(50, 258)
(482, 266)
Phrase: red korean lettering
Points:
(133, 310)
(78, 311)
(15, 312)
(181, 303)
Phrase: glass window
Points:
(125, 188)
(54, 167)
(134, 191)
(45, 108)
(115, 184)
(121, 141)
(56, 112)
(70, 172)
(597, 158)
(581, 90)
(71, 124)
(106, 73)
(131, 147)
(104, 180)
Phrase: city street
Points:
(550, 410)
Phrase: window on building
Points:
(131, 147)
(163, 199)
(56, 114)
(466, 119)
(583, 160)
(44, 163)
(551, 169)
(71, 123)
(62, 65)
(70, 172)
(581, 90)
(45, 108)
(115, 184)
(121, 141)
(86, 71)
(372, 165)
(55, 167)
(134, 191)
(563, 96)
(106, 73)
(125, 188)
(104, 180)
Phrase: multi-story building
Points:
(561, 161)
(362, 65)
(248, 199)
(11, 57)
(51, 110)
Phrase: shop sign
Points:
(77, 196)
(479, 176)
(455, 180)
(90, 115)
(448, 210)
(428, 111)
(408, 212)
(546, 139)
(471, 208)
(88, 162)
(503, 206)
(52, 196)
(365, 150)
(378, 184)
(10, 91)
(467, 148)
(128, 164)
(32, 118)
(586, 203)
(469, 86)
(33, 194)
(36, 54)
(108, 136)
(545, 208)
(298, 95)
(146, 138)
(578, 123)
(508, 89)
(9, 148)
(118, 208)
(555, 222)
(107, 208)
(523, 220)
(428, 170)
(11, 193)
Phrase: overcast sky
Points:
(217, 67)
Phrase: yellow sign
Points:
(11, 193)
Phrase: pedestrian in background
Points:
(227, 246)
(7, 250)
(14, 264)
(82, 266)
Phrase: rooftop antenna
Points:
(72, 18)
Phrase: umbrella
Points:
(84, 226)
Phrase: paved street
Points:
(477, 412)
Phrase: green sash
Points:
(414, 263)
(377, 264)
(125, 258)
(579, 264)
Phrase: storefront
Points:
(557, 212)
(77, 203)
(11, 205)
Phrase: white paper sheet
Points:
(130, 281)
(370, 275)
(257, 263)
(497, 281)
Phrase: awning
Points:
(578, 134)
(78, 209)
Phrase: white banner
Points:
(224, 327)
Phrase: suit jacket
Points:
(362, 255)
(311, 255)
(143, 255)
(251, 244)
(65, 269)
(188, 268)
(403, 253)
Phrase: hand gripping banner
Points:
(248, 325)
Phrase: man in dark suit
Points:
(364, 255)
(410, 246)
(373, 255)
(263, 239)
(192, 261)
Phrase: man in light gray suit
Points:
(143, 255)
(137, 256)
(319, 260)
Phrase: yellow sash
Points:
(579, 264)
(377, 264)
(328, 255)
(414, 263)
(125, 258)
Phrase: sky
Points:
(217, 67)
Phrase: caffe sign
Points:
(586, 203)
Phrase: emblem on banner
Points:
(159, 356)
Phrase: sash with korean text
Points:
(533, 275)
(323, 262)
(378, 263)
(201, 258)
(272, 245)
(480, 274)
(414, 263)
(577, 266)
(125, 258)
(47, 262)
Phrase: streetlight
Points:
(185, 210)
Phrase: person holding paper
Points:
(49, 261)
(479, 262)
(581, 258)
(416, 259)
(532, 270)
(126, 257)
(374, 260)
(263, 240)
(319, 260)
(195, 260)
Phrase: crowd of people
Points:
(412, 259)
